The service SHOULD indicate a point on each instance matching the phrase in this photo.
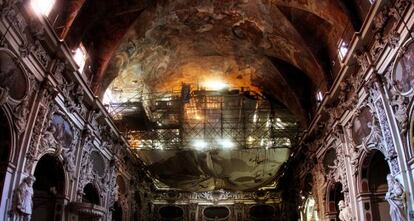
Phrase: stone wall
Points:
(368, 112)
(51, 111)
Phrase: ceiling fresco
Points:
(236, 41)
(283, 50)
(236, 170)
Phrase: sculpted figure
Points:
(345, 213)
(22, 111)
(24, 199)
(48, 139)
(396, 198)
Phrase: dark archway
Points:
(374, 186)
(90, 198)
(335, 195)
(262, 212)
(90, 194)
(216, 213)
(49, 189)
(117, 212)
(5, 146)
(171, 213)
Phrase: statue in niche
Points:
(396, 198)
(345, 213)
(24, 199)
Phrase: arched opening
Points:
(374, 186)
(117, 212)
(89, 209)
(216, 213)
(335, 195)
(49, 189)
(261, 212)
(90, 194)
(171, 213)
(5, 146)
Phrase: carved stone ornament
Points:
(381, 135)
(345, 213)
(4, 95)
(353, 150)
(396, 199)
(363, 59)
(378, 46)
(21, 113)
(400, 108)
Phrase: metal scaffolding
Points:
(205, 119)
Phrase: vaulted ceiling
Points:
(283, 48)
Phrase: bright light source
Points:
(80, 57)
(42, 7)
(215, 85)
(280, 124)
(250, 139)
(343, 49)
(108, 97)
(197, 117)
(319, 96)
(200, 144)
(226, 143)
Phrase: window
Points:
(343, 49)
(42, 7)
(80, 57)
(371, 1)
(319, 96)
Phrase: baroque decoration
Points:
(68, 152)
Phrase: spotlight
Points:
(200, 144)
(42, 7)
(215, 85)
(226, 143)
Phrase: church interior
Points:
(206, 110)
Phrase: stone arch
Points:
(219, 213)
(91, 194)
(49, 188)
(51, 153)
(262, 212)
(171, 213)
(372, 186)
(334, 194)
